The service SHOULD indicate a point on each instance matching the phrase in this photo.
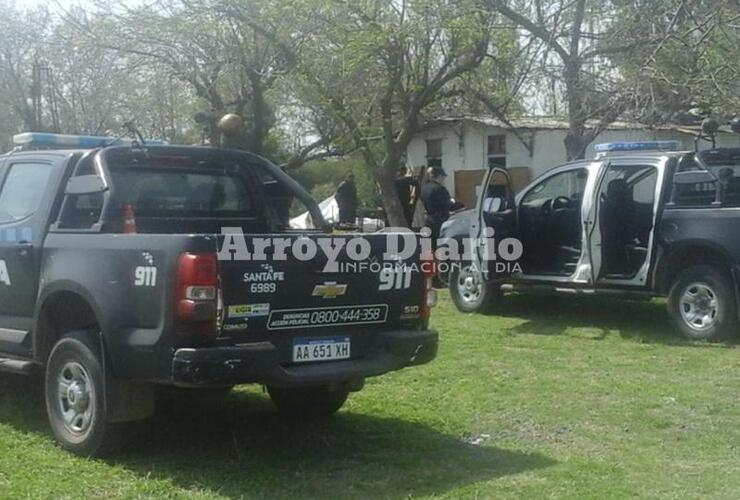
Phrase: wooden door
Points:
(467, 184)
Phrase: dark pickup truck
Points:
(625, 224)
(117, 277)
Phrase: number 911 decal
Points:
(394, 278)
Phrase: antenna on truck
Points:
(137, 141)
(135, 134)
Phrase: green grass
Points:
(554, 398)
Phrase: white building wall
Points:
(464, 146)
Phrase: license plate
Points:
(320, 349)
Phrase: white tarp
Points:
(330, 211)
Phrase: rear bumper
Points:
(260, 362)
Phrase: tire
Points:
(469, 293)
(702, 303)
(307, 402)
(74, 387)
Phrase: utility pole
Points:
(42, 78)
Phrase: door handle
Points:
(24, 247)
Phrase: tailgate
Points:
(283, 298)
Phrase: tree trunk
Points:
(259, 112)
(576, 139)
(386, 178)
(576, 142)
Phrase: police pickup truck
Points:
(636, 221)
(117, 276)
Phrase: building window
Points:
(497, 161)
(496, 145)
(497, 150)
(434, 152)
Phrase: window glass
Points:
(496, 145)
(630, 183)
(434, 148)
(23, 190)
(497, 161)
(644, 189)
(291, 212)
(570, 184)
(693, 195)
(499, 187)
(81, 211)
(725, 165)
(166, 192)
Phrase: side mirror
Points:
(85, 184)
(492, 205)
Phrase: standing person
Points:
(406, 187)
(346, 196)
(437, 202)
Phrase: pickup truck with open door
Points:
(626, 224)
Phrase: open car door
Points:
(495, 221)
(625, 212)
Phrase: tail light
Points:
(429, 294)
(196, 306)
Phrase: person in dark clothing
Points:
(346, 196)
(437, 202)
(406, 187)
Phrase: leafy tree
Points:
(321, 178)
(695, 66)
(20, 32)
(227, 67)
(51, 81)
(579, 40)
(374, 68)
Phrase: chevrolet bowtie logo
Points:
(329, 290)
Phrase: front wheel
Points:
(311, 402)
(470, 292)
(702, 303)
(75, 402)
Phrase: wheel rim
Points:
(469, 285)
(75, 398)
(699, 306)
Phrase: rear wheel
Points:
(470, 292)
(75, 400)
(702, 303)
(312, 401)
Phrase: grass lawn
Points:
(555, 398)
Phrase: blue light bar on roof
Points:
(605, 147)
(61, 141)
